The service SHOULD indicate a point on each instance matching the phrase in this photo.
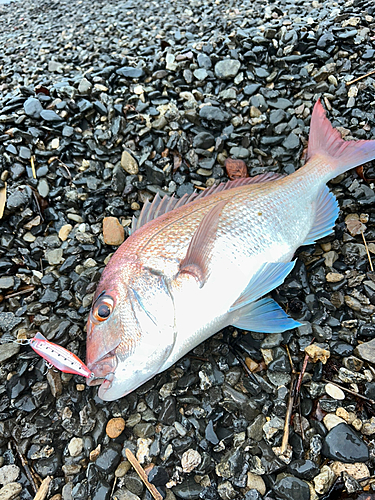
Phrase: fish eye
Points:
(103, 308)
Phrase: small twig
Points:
(367, 250)
(240, 358)
(43, 489)
(21, 292)
(300, 418)
(302, 372)
(349, 391)
(32, 161)
(113, 487)
(199, 358)
(290, 358)
(288, 416)
(3, 199)
(360, 77)
(66, 168)
(25, 465)
(141, 473)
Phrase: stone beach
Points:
(105, 104)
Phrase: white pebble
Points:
(334, 391)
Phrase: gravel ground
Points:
(104, 104)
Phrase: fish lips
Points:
(103, 371)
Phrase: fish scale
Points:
(194, 266)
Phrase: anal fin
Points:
(264, 316)
(327, 211)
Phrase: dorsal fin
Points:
(160, 206)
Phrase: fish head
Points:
(130, 330)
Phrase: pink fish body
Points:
(58, 356)
(194, 266)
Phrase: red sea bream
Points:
(194, 266)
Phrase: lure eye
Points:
(103, 308)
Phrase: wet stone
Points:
(188, 489)
(342, 443)
(204, 61)
(238, 152)
(168, 413)
(125, 494)
(291, 142)
(204, 140)
(226, 491)
(109, 458)
(129, 163)
(50, 116)
(48, 466)
(7, 351)
(43, 188)
(281, 103)
(75, 446)
(129, 72)
(24, 153)
(252, 495)
(6, 282)
(33, 107)
(212, 113)
(144, 430)
(251, 89)
(9, 474)
(113, 231)
(226, 69)
(370, 390)
(10, 491)
(102, 491)
(304, 469)
(115, 427)
(366, 351)
(133, 483)
(290, 488)
(158, 476)
(200, 74)
(17, 199)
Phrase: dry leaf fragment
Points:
(236, 169)
(177, 160)
(3, 199)
(354, 225)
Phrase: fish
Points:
(195, 265)
(58, 356)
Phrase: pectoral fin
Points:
(263, 316)
(327, 211)
(197, 259)
(268, 277)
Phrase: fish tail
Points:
(339, 155)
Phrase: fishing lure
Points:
(59, 357)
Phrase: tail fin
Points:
(325, 140)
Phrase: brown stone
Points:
(115, 427)
(64, 231)
(113, 232)
(316, 353)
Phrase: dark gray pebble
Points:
(50, 116)
(342, 443)
(188, 489)
(109, 458)
(290, 488)
(33, 107)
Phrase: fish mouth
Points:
(103, 371)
